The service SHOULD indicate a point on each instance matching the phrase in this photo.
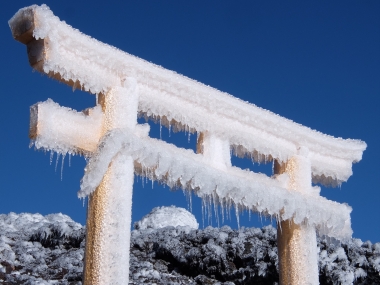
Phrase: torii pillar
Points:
(297, 244)
(110, 206)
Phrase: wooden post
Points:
(216, 150)
(297, 244)
(110, 206)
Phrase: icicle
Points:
(191, 200)
(56, 161)
(142, 175)
(222, 210)
(187, 199)
(187, 194)
(209, 205)
(170, 126)
(215, 197)
(203, 213)
(237, 215)
(279, 224)
(63, 160)
(69, 159)
(51, 156)
(229, 209)
(160, 129)
(146, 175)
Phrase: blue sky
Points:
(315, 62)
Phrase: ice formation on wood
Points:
(77, 131)
(86, 63)
(116, 146)
(178, 167)
(176, 100)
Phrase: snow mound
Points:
(161, 217)
(26, 224)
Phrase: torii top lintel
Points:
(96, 67)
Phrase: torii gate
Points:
(118, 147)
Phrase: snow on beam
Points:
(179, 167)
(66, 54)
(78, 132)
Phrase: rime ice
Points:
(62, 127)
(186, 104)
(116, 146)
(159, 160)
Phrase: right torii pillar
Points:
(297, 244)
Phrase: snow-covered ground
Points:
(36, 249)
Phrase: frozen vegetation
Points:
(36, 249)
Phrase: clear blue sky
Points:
(315, 62)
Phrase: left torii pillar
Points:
(110, 205)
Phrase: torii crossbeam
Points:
(118, 147)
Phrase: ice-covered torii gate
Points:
(118, 147)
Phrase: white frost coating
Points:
(177, 167)
(216, 150)
(121, 106)
(25, 223)
(64, 130)
(116, 224)
(98, 164)
(161, 217)
(305, 239)
(188, 104)
(120, 111)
